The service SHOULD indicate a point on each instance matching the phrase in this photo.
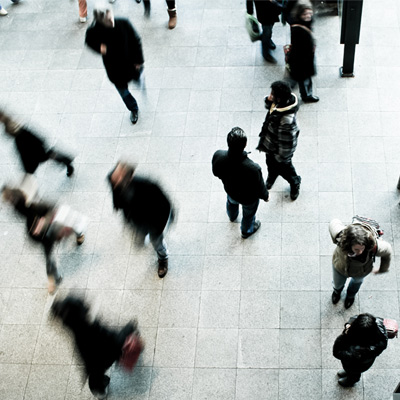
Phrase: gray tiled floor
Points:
(233, 319)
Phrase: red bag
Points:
(131, 351)
(392, 327)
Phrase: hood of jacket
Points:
(292, 106)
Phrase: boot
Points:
(173, 19)
(398, 184)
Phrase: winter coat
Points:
(144, 205)
(352, 266)
(124, 49)
(280, 131)
(31, 149)
(267, 11)
(242, 178)
(301, 56)
(356, 358)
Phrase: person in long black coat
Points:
(121, 48)
(145, 206)
(301, 57)
(268, 12)
(362, 340)
(31, 148)
(98, 345)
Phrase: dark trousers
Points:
(353, 376)
(59, 157)
(305, 87)
(266, 40)
(170, 5)
(285, 169)
(249, 214)
(129, 100)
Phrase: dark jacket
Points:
(242, 178)
(279, 132)
(124, 49)
(144, 205)
(31, 149)
(267, 12)
(301, 56)
(357, 358)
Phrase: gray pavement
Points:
(233, 319)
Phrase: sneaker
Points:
(257, 225)
(80, 239)
(3, 11)
(82, 19)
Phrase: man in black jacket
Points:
(268, 12)
(242, 179)
(145, 206)
(121, 47)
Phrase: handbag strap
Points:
(304, 27)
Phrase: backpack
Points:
(371, 223)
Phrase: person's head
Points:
(104, 15)
(13, 196)
(237, 140)
(356, 239)
(280, 92)
(302, 11)
(72, 311)
(363, 330)
(11, 127)
(122, 174)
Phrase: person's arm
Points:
(93, 40)
(341, 350)
(287, 138)
(264, 194)
(384, 251)
(335, 227)
(136, 42)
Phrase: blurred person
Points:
(268, 12)
(31, 148)
(278, 136)
(242, 179)
(82, 10)
(47, 224)
(364, 337)
(301, 56)
(99, 346)
(287, 7)
(121, 48)
(171, 9)
(354, 256)
(145, 206)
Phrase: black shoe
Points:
(134, 116)
(398, 185)
(342, 373)
(257, 225)
(269, 184)
(273, 45)
(147, 8)
(345, 382)
(138, 1)
(269, 58)
(335, 297)
(348, 302)
(310, 99)
(70, 170)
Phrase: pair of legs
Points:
(61, 158)
(129, 100)
(170, 4)
(266, 43)
(339, 281)
(285, 169)
(249, 214)
(305, 87)
(82, 9)
(348, 377)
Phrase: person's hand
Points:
(137, 66)
(103, 49)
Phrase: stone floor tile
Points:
(333, 391)
(380, 384)
(335, 205)
(258, 348)
(261, 273)
(48, 381)
(328, 337)
(142, 273)
(306, 317)
(300, 384)
(267, 237)
(175, 347)
(223, 241)
(293, 239)
(113, 239)
(195, 239)
(333, 149)
(369, 177)
(334, 177)
(217, 384)
(217, 348)
(167, 383)
(13, 380)
(222, 273)
(254, 384)
(219, 309)
(294, 343)
(377, 303)
(179, 309)
(304, 209)
(77, 389)
(187, 172)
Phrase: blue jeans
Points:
(128, 99)
(339, 281)
(249, 214)
(159, 246)
(305, 87)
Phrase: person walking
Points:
(301, 60)
(357, 245)
(31, 148)
(121, 48)
(47, 224)
(98, 346)
(268, 12)
(278, 136)
(171, 9)
(364, 337)
(242, 179)
(145, 206)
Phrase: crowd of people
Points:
(149, 211)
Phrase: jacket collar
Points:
(284, 109)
